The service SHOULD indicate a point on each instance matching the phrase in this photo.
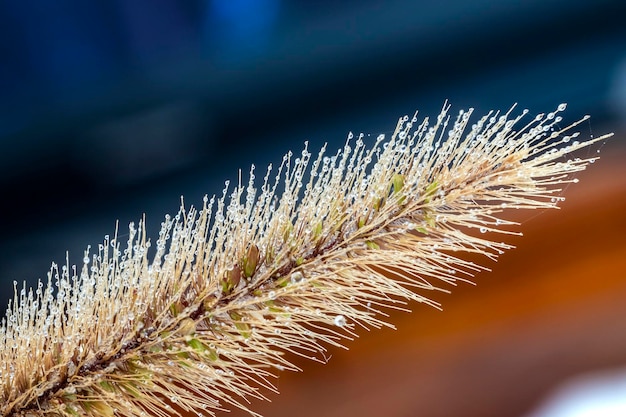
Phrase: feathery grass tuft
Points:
(202, 322)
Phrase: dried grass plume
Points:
(201, 319)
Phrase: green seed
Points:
(318, 229)
(99, 408)
(131, 389)
(71, 410)
(197, 345)
(250, 261)
(431, 188)
(107, 386)
(371, 244)
(430, 191)
(244, 328)
(398, 182)
(287, 232)
(282, 282)
(186, 327)
(379, 203)
(231, 279)
(174, 310)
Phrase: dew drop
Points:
(272, 295)
(340, 321)
(297, 277)
(71, 368)
(483, 230)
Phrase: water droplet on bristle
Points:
(297, 277)
(340, 321)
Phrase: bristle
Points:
(237, 287)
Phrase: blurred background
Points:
(111, 109)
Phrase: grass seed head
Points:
(232, 291)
